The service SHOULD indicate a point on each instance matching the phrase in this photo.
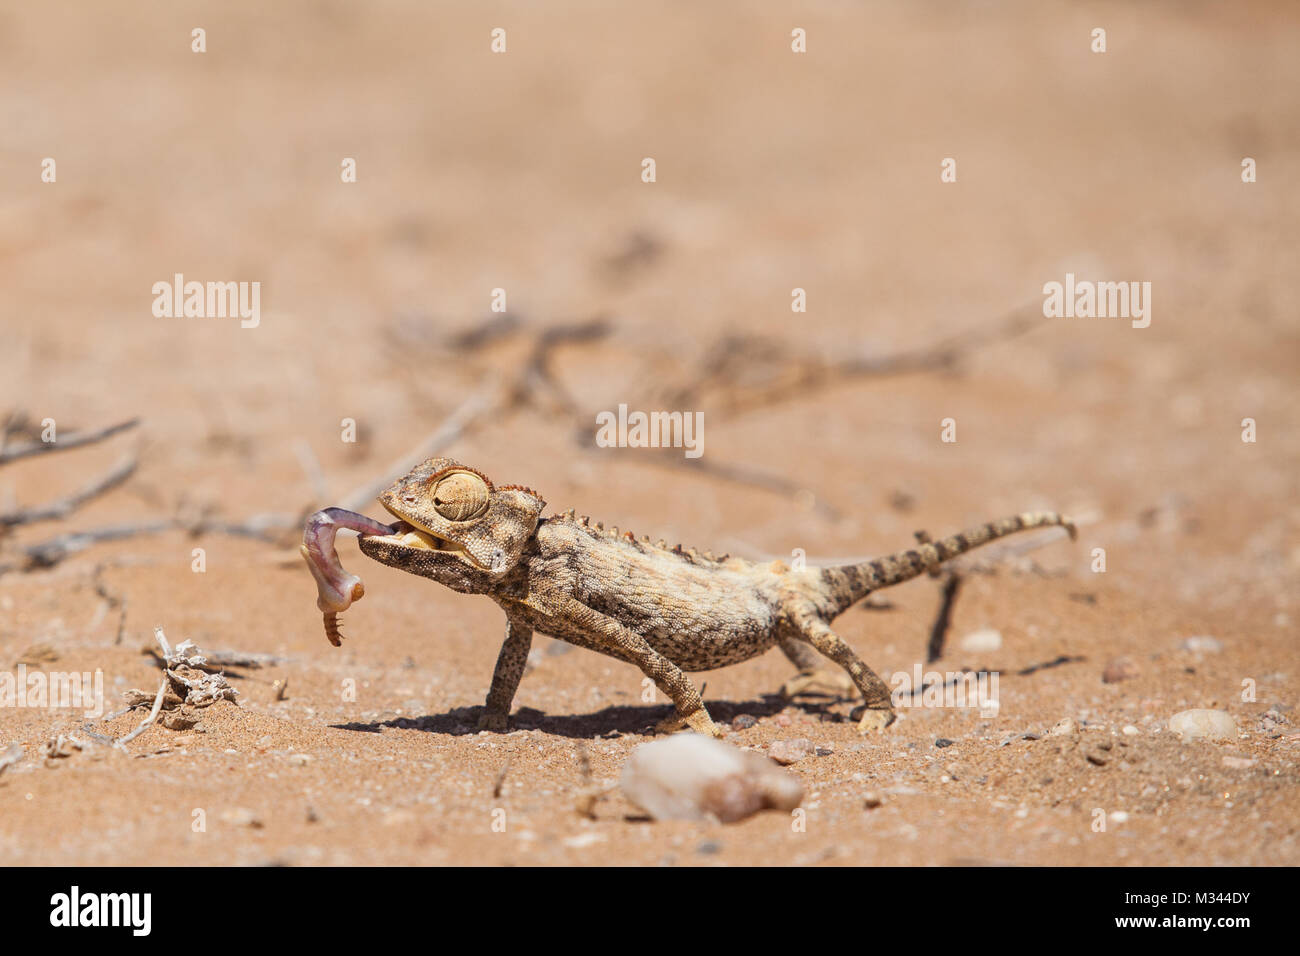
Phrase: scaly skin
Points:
(668, 611)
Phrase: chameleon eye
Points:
(460, 497)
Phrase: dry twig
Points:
(469, 412)
(75, 440)
(148, 721)
(63, 507)
(942, 617)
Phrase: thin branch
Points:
(535, 377)
(451, 429)
(739, 474)
(265, 526)
(1054, 662)
(75, 440)
(47, 554)
(51, 552)
(145, 724)
(311, 468)
(736, 364)
(62, 507)
(501, 325)
(943, 617)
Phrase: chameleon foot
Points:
(874, 720)
(698, 720)
(836, 682)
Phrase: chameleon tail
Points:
(850, 583)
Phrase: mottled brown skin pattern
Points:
(665, 610)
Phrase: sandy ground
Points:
(774, 171)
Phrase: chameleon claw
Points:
(874, 720)
(698, 720)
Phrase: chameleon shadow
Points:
(614, 721)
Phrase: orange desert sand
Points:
(775, 171)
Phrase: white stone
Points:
(1203, 724)
(790, 751)
(985, 639)
(579, 840)
(1063, 728)
(692, 777)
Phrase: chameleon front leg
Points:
(623, 642)
(505, 678)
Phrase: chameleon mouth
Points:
(408, 535)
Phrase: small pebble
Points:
(943, 742)
(1118, 669)
(709, 847)
(1203, 724)
(783, 720)
(1271, 720)
(871, 800)
(1131, 731)
(1118, 816)
(743, 722)
(1063, 728)
(790, 751)
(985, 639)
(1202, 644)
(241, 817)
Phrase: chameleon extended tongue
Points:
(336, 589)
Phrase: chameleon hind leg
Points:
(814, 677)
(879, 712)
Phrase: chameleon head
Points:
(454, 525)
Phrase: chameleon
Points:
(668, 611)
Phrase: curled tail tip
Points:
(1048, 518)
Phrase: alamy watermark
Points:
(961, 689)
(208, 300)
(129, 910)
(82, 690)
(1084, 299)
(651, 430)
